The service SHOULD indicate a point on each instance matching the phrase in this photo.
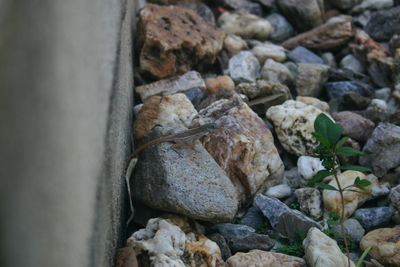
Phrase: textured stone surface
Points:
(303, 55)
(310, 78)
(243, 146)
(352, 200)
(244, 67)
(263, 88)
(279, 191)
(381, 150)
(267, 50)
(352, 63)
(310, 201)
(372, 218)
(276, 72)
(303, 15)
(245, 6)
(337, 89)
(322, 251)
(294, 123)
(308, 167)
(282, 29)
(247, 26)
(185, 82)
(324, 37)
(323, 106)
(353, 228)
(264, 259)
(233, 44)
(383, 24)
(173, 40)
(394, 197)
(253, 218)
(354, 125)
(372, 5)
(221, 242)
(385, 244)
(214, 84)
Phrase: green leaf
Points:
(361, 184)
(348, 151)
(332, 222)
(325, 127)
(319, 177)
(326, 186)
(341, 142)
(334, 215)
(321, 139)
(355, 168)
(361, 259)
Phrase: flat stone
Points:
(385, 244)
(337, 89)
(372, 218)
(279, 191)
(353, 228)
(268, 50)
(354, 125)
(282, 29)
(264, 258)
(310, 78)
(303, 55)
(352, 63)
(178, 84)
(244, 67)
(173, 40)
(381, 150)
(310, 201)
(276, 72)
(253, 218)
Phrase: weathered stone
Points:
(354, 125)
(247, 26)
(322, 251)
(355, 101)
(243, 147)
(263, 88)
(282, 29)
(372, 218)
(126, 257)
(196, 95)
(303, 55)
(221, 242)
(308, 167)
(294, 123)
(214, 84)
(244, 67)
(352, 63)
(233, 44)
(352, 200)
(323, 106)
(201, 251)
(353, 228)
(344, 4)
(385, 244)
(329, 59)
(268, 50)
(310, 201)
(383, 93)
(395, 197)
(262, 104)
(253, 218)
(279, 191)
(245, 6)
(263, 259)
(276, 72)
(173, 40)
(324, 37)
(381, 150)
(304, 15)
(310, 78)
(383, 24)
(337, 89)
(287, 222)
(372, 5)
(178, 84)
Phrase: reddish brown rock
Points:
(173, 40)
(324, 37)
(214, 84)
(126, 257)
(354, 125)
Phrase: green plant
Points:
(295, 206)
(262, 229)
(331, 145)
(295, 249)
(339, 239)
(361, 259)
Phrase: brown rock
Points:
(354, 125)
(261, 258)
(173, 40)
(201, 251)
(126, 257)
(214, 84)
(262, 88)
(244, 147)
(324, 37)
(385, 244)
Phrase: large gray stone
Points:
(244, 67)
(282, 29)
(303, 55)
(372, 218)
(383, 24)
(353, 228)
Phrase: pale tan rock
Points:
(267, 50)
(259, 258)
(233, 44)
(242, 146)
(308, 100)
(173, 112)
(263, 88)
(214, 84)
(385, 244)
(294, 123)
(352, 200)
(322, 251)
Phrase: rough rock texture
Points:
(253, 218)
(245, 6)
(394, 197)
(322, 251)
(276, 72)
(173, 40)
(383, 24)
(353, 228)
(185, 82)
(201, 251)
(294, 123)
(126, 257)
(314, 102)
(221, 242)
(264, 259)
(310, 78)
(310, 201)
(233, 44)
(372, 218)
(354, 125)
(308, 167)
(303, 55)
(352, 200)
(337, 89)
(324, 37)
(287, 222)
(247, 26)
(263, 88)
(381, 152)
(244, 67)
(372, 5)
(243, 146)
(214, 84)
(305, 14)
(267, 50)
(385, 244)
(282, 29)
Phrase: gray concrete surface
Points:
(65, 117)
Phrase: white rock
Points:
(233, 44)
(378, 105)
(279, 191)
(322, 251)
(308, 100)
(275, 72)
(269, 50)
(310, 201)
(308, 167)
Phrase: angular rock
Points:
(276, 72)
(310, 78)
(372, 5)
(381, 150)
(308, 167)
(243, 146)
(253, 218)
(173, 40)
(395, 197)
(352, 63)
(214, 84)
(201, 251)
(178, 84)
(264, 258)
(221, 242)
(325, 37)
(337, 89)
(305, 14)
(372, 218)
(279, 191)
(355, 101)
(314, 102)
(126, 257)
(322, 251)
(245, 6)
(383, 24)
(352, 200)
(247, 26)
(196, 95)
(310, 201)
(329, 59)
(287, 222)
(385, 244)
(244, 67)
(354, 125)
(353, 228)
(233, 44)
(294, 123)
(267, 50)
(344, 4)
(282, 29)
(263, 88)
(303, 55)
